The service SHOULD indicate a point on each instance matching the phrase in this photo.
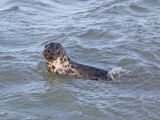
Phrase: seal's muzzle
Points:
(50, 52)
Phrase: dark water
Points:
(102, 33)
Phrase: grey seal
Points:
(58, 61)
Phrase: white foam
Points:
(115, 71)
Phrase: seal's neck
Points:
(60, 65)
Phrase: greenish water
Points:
(103, 34)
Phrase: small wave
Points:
(115, 9)
(10, 8)
(94, 34)
(138, 9)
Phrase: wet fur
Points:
(62, 64)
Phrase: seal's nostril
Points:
(48, 51)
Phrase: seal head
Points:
(53, 51)
(57, 59)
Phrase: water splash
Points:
(40, 67)
(116, 71)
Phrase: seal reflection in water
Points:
(59, 62)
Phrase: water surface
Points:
(103, 33)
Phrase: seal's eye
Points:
(57, 47)
(46, 46)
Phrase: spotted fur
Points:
(59, 62)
